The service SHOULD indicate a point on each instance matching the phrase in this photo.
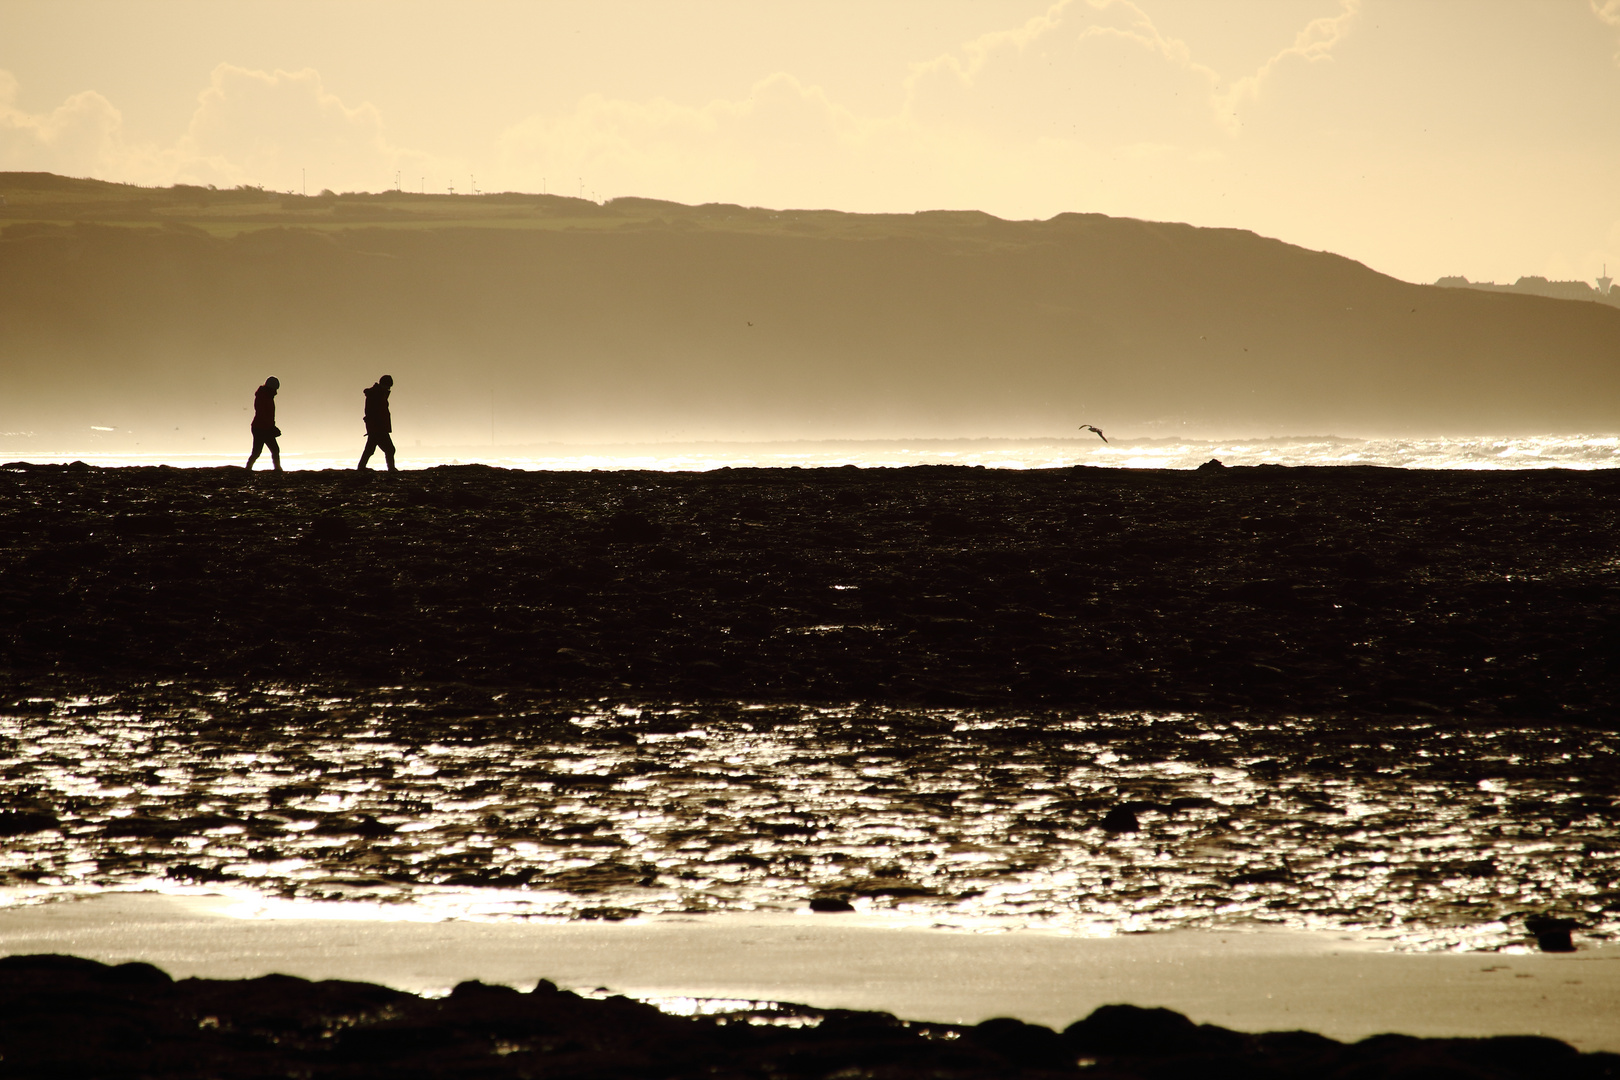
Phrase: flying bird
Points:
(1098, 430)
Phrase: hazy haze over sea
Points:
(1588, 451)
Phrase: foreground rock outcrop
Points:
(61, 1016)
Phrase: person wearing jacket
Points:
(379, 424)
(263, 426)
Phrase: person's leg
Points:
(371, 446)
(275, 453)
(258, 445)
(387, 444)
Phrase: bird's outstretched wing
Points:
(1098, 430)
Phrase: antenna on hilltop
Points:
(1605, 281)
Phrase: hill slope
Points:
(162, 309)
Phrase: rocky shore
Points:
(1324, 591)
(63, 1016)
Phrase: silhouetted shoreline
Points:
(63, 1016)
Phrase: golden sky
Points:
(1422, 137)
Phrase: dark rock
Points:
(1130, 1031)
(1028, 1046)
(1121, 819)
(830, 903)
(473, 988)
(1212, 465)
(19, 822)
(1552, 934)
(61, 1016)
(201, 874)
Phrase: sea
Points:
(421, 803)
(1578, 451)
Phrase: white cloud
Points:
(1078, 54)
(622, 147)
(249, 127)
(1084, 82)
(1608, 13)
(269, 127)
(80, 137)
(976, 54)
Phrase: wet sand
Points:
(1336, 985)
(1322, 591)
(604, 810)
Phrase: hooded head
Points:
(272, 383)
(386, 380)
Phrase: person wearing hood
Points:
(379, 424)
(263, 426)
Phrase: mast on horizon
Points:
(1605, 281)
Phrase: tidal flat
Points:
(1374, 700)
(1331, 592)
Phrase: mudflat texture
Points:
(1329, 591)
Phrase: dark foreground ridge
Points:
(62, 1016)
(1312, 590)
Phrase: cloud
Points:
(1084, 83)
(1102, 73)
(80, 137)
(719, 146)
(979, 52)
(267, 127)
(1083, 97)
(1226, 97)
(249, 127)
(1314, 45)
(1608, 13)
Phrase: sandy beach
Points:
(1336, 985)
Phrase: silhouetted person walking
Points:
(378, 423)
(264, 427)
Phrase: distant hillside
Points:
(1538, 286)
(158, 311)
